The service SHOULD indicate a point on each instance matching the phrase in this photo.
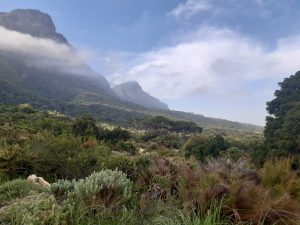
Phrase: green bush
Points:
(16, 161)
(115, 135)
(85, 126)
(121, 163)
(170, 140)
(18, 189)
(233, 154)
(62, 188)
(104, 187)
(125, 147)
(34, 209)
(202, 146)
(281, 177)
(64, 157)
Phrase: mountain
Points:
(40, 67)
(44, 62)
(133, 92)
(31, 22)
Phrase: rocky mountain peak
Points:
(132, 91)
(33, 22)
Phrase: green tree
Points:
(282, 131)
(202, 146)
(85, 126)
(115, 135)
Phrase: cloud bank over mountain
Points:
(41, 52)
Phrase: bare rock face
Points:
(38, 180)
(33, 22)
(133, 92)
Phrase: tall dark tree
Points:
(85, 126)
(282, 130)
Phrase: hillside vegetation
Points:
(162, 171)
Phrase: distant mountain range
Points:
(39, 66)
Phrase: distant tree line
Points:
(178, 126)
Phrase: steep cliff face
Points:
(33, 22)
(133, 92)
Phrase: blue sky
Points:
(213, 57)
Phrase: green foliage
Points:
(143, 162)
(125, 147)
(170, 140)
(85, 126)
(152, 187)
(121, 163)
(160, 122)
(233, 154)
(19, 188)
(115, 135)
(16, 161)
(212, 217)
(61, 188)
(153, 134)
(281, 176)
(202, 146)
(64, 157)
(282, 130)
(34, 210)
(26, 108)
(104, 187)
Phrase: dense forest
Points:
(59, 169)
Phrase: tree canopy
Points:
(179, 126)
(282, 129)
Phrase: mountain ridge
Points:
(53, 88)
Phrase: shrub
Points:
(280, 177)
(125, 147)
(34, 210)
(171, 140)
(233, 154)
(115, 135)
(61, 188)
(85, 126)
(17, 189)
(143, 162)
(121, 163)
(16, 161)
(63, 157)
(26, 108)
(202, 146)
(103, 188)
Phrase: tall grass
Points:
(179, 217)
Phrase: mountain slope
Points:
(132, 92)
(39, 66)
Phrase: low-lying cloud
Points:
(211, 60)
(41, 53)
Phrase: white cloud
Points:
(211, 60)
(42, 53)
(190, 7)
